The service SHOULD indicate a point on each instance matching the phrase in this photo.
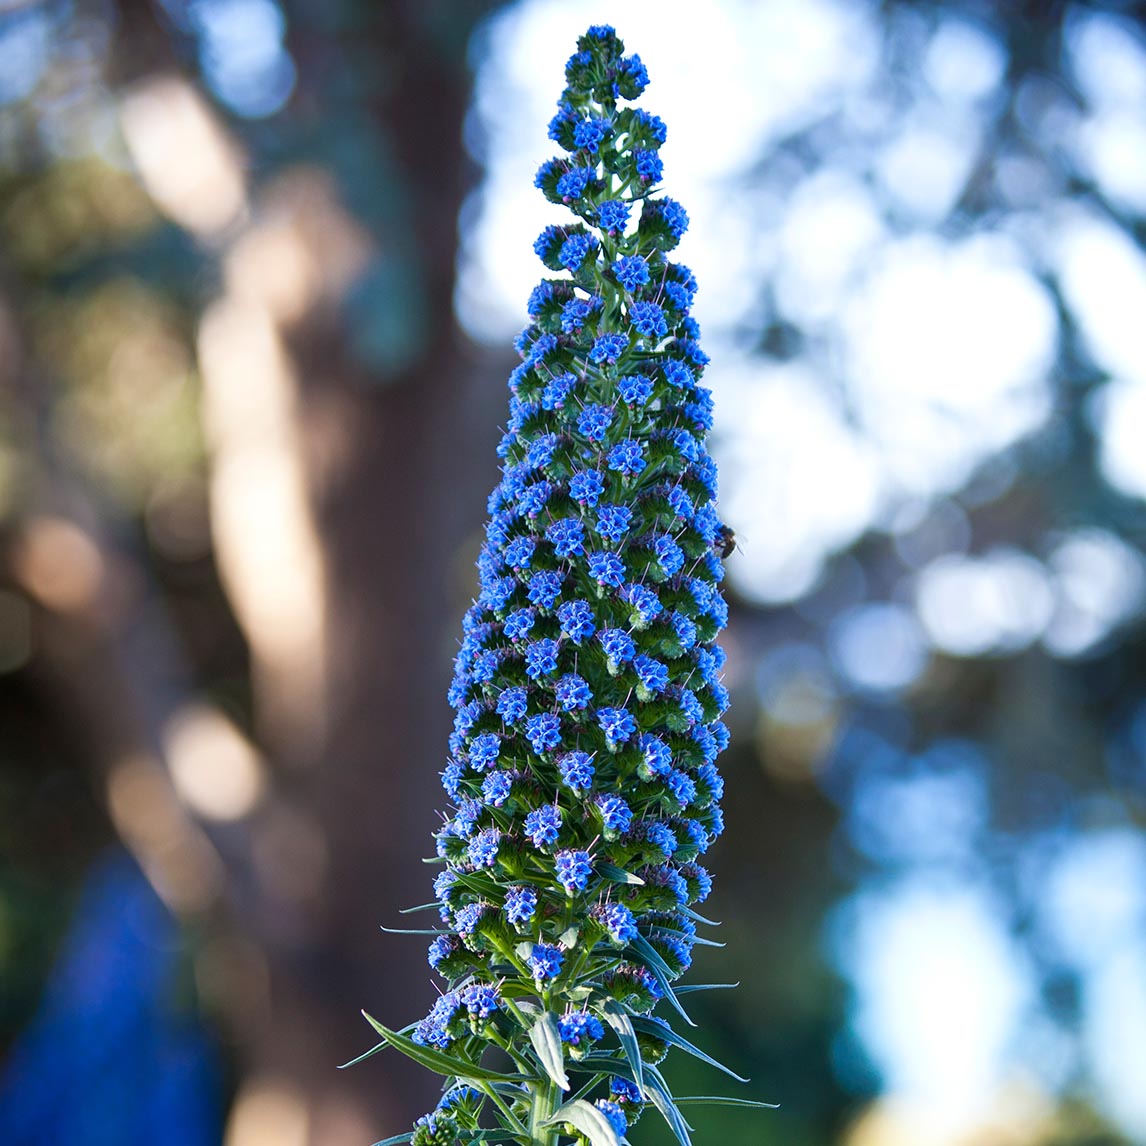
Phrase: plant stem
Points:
(544, 1104)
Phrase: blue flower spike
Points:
(581, 777)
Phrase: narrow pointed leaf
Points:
(721, 1100)
(413, 931)
(589, 1120)
(618, 1018)
(657, 1092)
(618, 874)
(365, 1054)
(660, 969)
(670, 1036)
(696, 917)
(546, 1041)
(396, 1139)
(436, 1060)
(421, 907)
(688, 987)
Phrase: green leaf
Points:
(421, 907)
(410, 931)
(668, 1035)
(365, 1055)
(589, 1120)
(436, 1060)
(396, 1139)
(657, 1092)
(618, 1018)
(546, 1041)
(618, 874)
(660, 970)
(706, 987)
(696, 917)
(720, 1100)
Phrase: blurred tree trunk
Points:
(389, 468)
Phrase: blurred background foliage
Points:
(260, 265)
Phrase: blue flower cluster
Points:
(587, 690)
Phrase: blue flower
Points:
(511, 704)
(656, 753)
(613, 216)
(543, 732)
(573, 870)
(650, 169)
(519, 552)
(590, 132)
(678, 374)
(533, 498)
(653, 673)
(608, 348)
(670, 556)
(545, 961)
(540, 452)
(673, 215)
(441, 949)
(576, 311)
(576, 770)
(650, 126)
(594, 421)
(607, 569)
(631, 271)
(623, 1090)
(484, 666)
(614, 1114)
(660, 836)
(481, 1000)
(644, 601)
(586, 487)
(648, 319)
(627, 457)
(539, 296)
(496, 787)
(635, 389)
(544, 588)
(484, 750)
(467, 918)
(557, 390)
(577, 621)
(580, 1025)
(565, 114)
(575, 250)
(637, 73)
(543, 824)
(451, 777)
(678, 296)
(617, 724)
(616, 814)
(618, 920)
(613, 522)
(541, 658)
(520, 904)
(567, 536)
(572, 693)
(483, 847)
(618, 645)
(572, 184)
(545, 241)
(519, 622)
(682, 786)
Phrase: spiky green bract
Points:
(588, 695)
